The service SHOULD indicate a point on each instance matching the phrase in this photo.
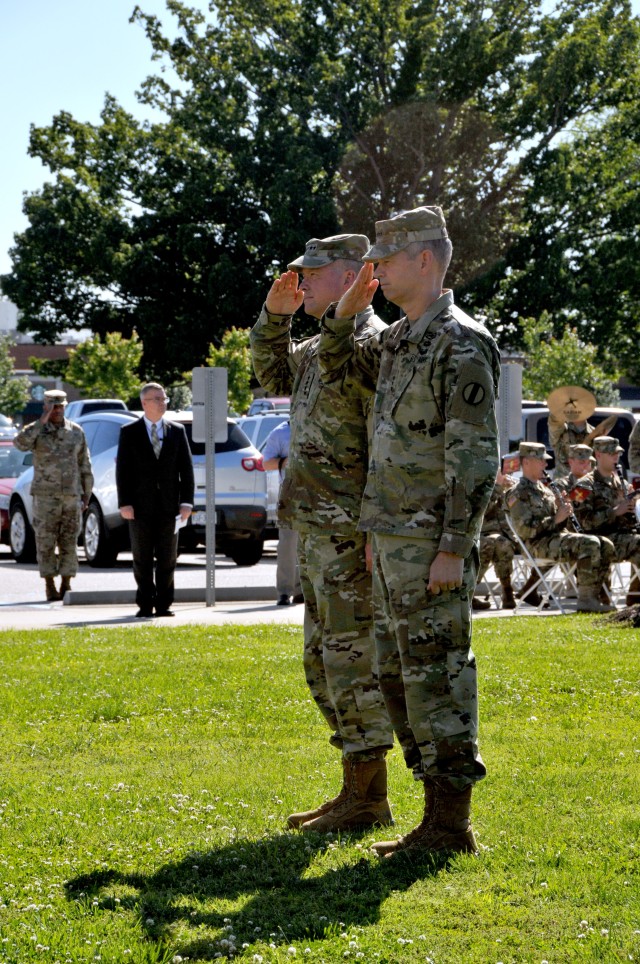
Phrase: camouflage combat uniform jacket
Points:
(434, 452)
(562, 435)
(61, 462)
(495, 517)
(325, 477)
(532, 506)
(598, 497)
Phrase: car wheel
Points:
(98, 548)
(247, 552)
(21, 535)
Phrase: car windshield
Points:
(5, 422)
(11, 462)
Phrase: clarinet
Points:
(562, 499)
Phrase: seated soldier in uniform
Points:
(496, 545)
(581, 461)
(540, 519)
(605, 505)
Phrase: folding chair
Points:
(620, 582)
(553, 578)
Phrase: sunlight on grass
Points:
(147, 775)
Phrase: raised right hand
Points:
(360, 295)
(284, 296)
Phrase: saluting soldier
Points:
(320, 498)
(61, 489)
(540, 518)
(433, 463)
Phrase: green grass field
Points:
(147, 774)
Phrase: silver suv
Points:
(240, 497)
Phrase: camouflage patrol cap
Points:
(581, 452)
(55, 396)
(421, 224)
(319, 252)
(532, 450)
(608, 444)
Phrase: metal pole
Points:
(210, 483)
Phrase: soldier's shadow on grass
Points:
(291, 894)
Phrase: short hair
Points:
(151, 386)
(441, 248)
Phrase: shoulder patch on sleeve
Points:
(473, 396)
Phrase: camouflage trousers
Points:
(56, 523)
(339, 647)
(497, 550)
(626, 547)
(593, 555)
(427, 668)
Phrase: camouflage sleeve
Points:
(341, 354)
(634, 449)
(465, 381)
(275, 355)
(557, 428)
(27, 438)
(84, 467)
(593, 511)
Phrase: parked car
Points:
(258, 427)
(85, 406)
(241, 494)
(269, 405)
(7, 428)
(240, 497)
(12, 465)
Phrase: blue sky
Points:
(64, 55)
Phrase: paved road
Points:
(106, 596)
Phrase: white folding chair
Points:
(621, 576)
(553, 578)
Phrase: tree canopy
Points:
(106, 367)
(14, 389)
(280, 120)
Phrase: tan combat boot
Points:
(589, 603)
(65, 585)
(508, 599)
(365, 804)
(50, 587)
(445, 826)
(296, 820)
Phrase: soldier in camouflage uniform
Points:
(634, 449)
(540, 519)
(580, 461)
(497, 547)
(320, 498)
(562, 435)
(606, 506)
(433, 464)
(61, 488)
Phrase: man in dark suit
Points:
(154, 475)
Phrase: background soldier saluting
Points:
(62, 484)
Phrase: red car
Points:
(12, 464)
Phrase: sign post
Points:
(209, 387)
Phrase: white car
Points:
(240, 497)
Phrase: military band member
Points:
(580, 461)
(497, 546)
(606, 505)
(540, 518)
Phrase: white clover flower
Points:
(257, 959)
(150, 922)
(291, 951)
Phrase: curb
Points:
(126, 597)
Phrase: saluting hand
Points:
(284, 296)
(360, 295)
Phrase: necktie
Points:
(155, 441)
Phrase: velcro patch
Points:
(473, 396)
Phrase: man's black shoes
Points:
(165, 612)
(144, 614)
(283, 600)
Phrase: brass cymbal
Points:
(571, 403)
(602, 429)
